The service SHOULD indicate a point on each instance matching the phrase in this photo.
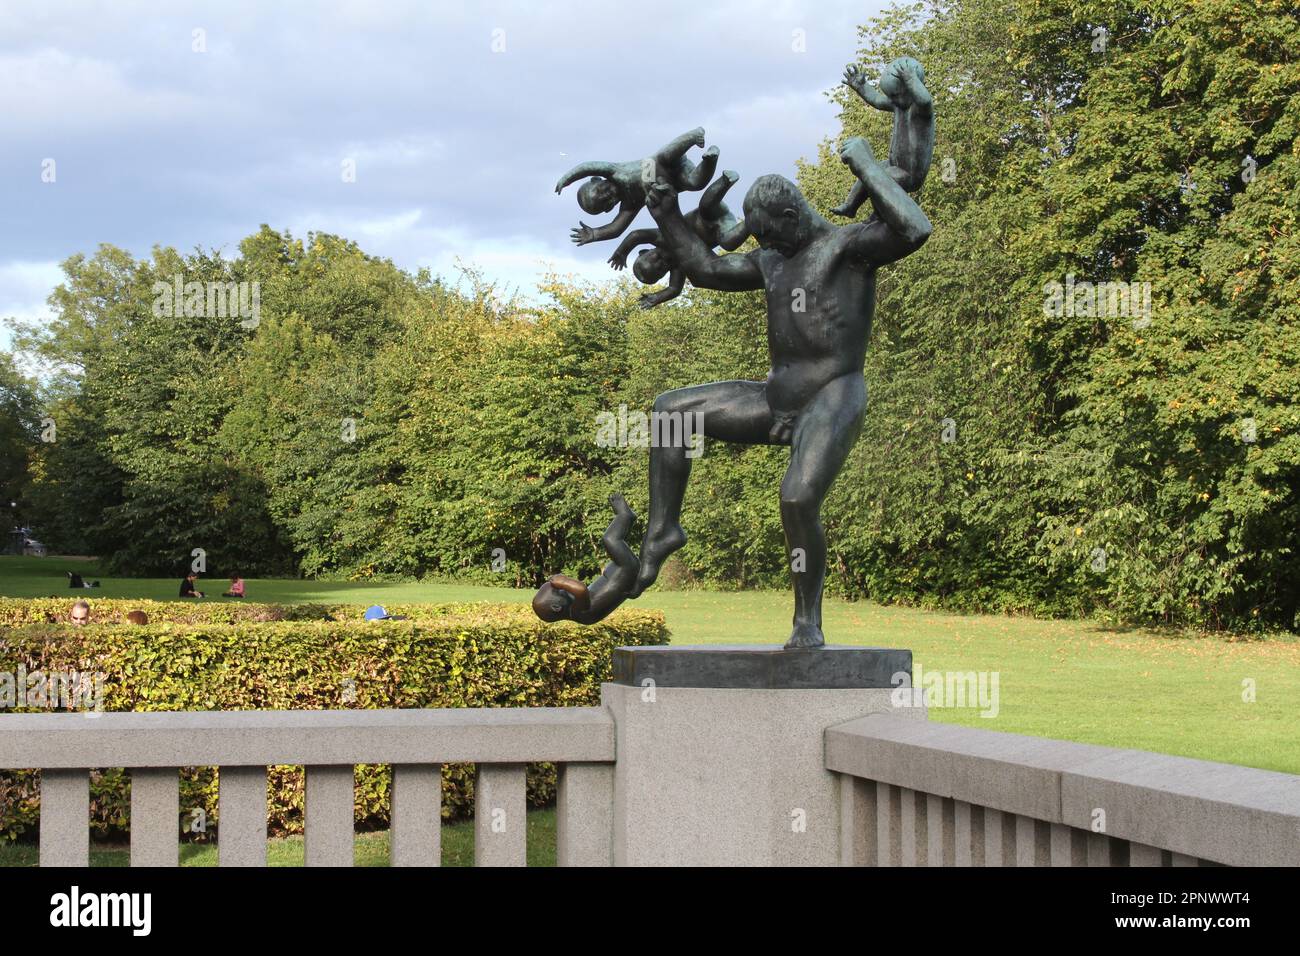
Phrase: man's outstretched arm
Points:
(734, 272)
(902, 227)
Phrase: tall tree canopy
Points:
(1020, 451)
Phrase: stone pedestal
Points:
(720, 756)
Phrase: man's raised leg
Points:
(734, 411)
(823, 437)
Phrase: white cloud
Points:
(49, 89)
(516, 262)
(456, 147)
(24, 287)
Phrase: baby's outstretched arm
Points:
(922, 101)
(583, 233)
(583, 170)
(637, 237)
(856, 80)
(676, 282)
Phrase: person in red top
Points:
(236, 587)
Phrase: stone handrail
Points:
(748, 756)
(242, 744)
(924, 793)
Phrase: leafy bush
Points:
(472, 656)
(15, 612)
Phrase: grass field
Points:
(369, 849)
(1072, 680)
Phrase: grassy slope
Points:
(1073, 680)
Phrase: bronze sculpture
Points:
(819, 280)
(624, 184)
(564, 597)
(712, 221)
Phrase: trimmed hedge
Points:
(15, 612)
(455, 656)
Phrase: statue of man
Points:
(820, 281)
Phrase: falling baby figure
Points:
(712, 221)
(565, 598)
(911, 147)
(624, 184)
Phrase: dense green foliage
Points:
(1014, 457)
(18, 434)
(17, 612)
(471, 656)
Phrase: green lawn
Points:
(371, 849)
(1073, 680)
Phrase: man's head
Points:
(650, 266)
(191, 576)
(139, 618)
(559, 597)
(777, 214)
(891, 78)
(597, 195)
(80, 614)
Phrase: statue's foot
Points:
(712, 151)
(806, 635)
(845, 210)
(731, 176)
(654, 549)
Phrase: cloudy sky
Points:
(189, 124)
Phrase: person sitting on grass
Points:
(236, 587)
(80, 614)
(187, 586)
